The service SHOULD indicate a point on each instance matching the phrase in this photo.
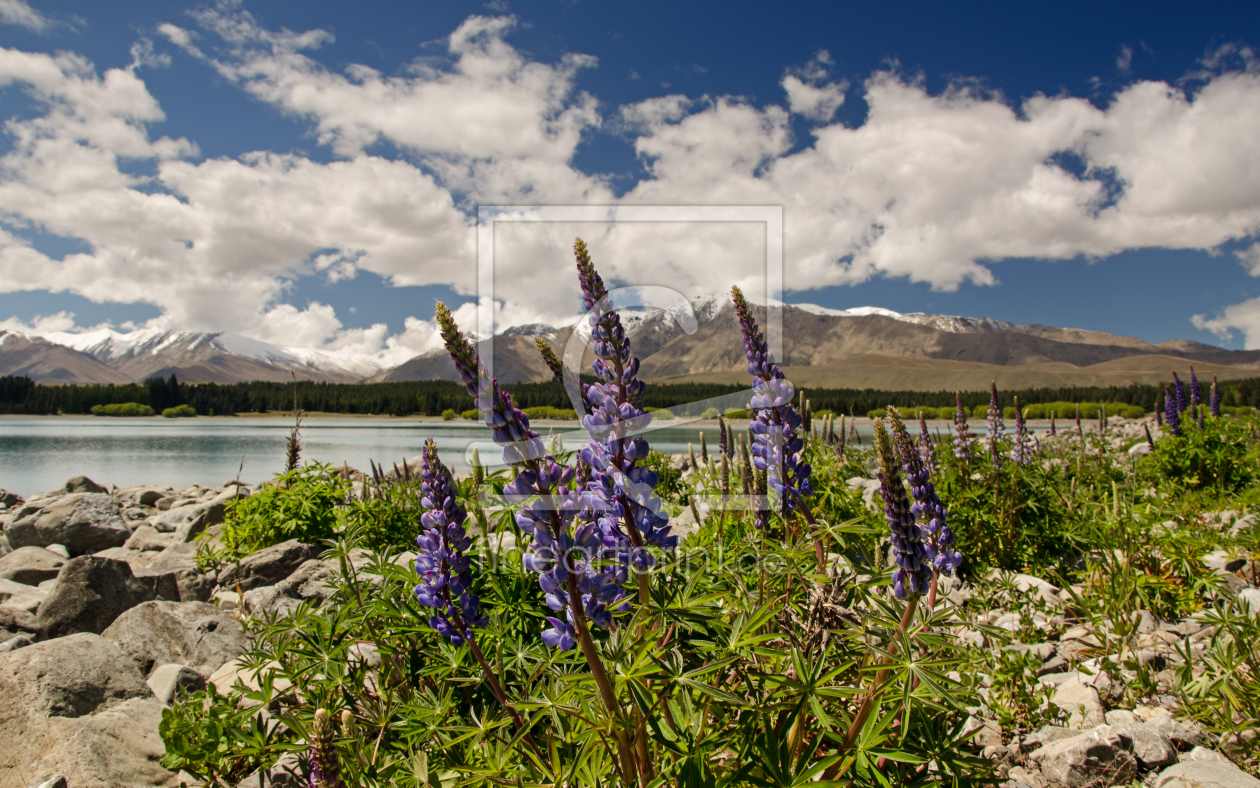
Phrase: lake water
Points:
(39, 454)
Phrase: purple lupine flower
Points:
(442, 561)
(1172, 416)
(996, 429)
(1196, 396)
(1159, 412)
(964, 438)
(914, 570)
(1214, 401)
(325, 763)
(927, 451)
(1021, 448)
(1180, 390)
(927, 508)
(776, 445)
(510, 425)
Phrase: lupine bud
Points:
(964, 438)
(325, 764)
(1196, 396)
(1214, 401)
(1021, 449)
(1180, 390)
(926, 450)
(996, 429)
(1150, 443)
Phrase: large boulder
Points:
(312, 581)
(84, 522)
(91, 592)
(30, 565)
(1152, 745)
(267, 566)
(1096, 759)
(82, 484)
(203, 515)
(194, 634)
(77, 707)
(1081, 702)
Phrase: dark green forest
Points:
(19, 395)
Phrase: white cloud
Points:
(810, 94)
(1244, 317)
(1124, 60)
(17, 12)
(930, 187)
(42, 324)
(1250, 258)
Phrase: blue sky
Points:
(305, 172)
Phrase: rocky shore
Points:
(105, 614)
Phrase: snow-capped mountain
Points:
(211, 356)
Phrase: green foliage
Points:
(216, 738)
(472, 414)
(180, 412)
(122, 409)
(300, 504)
(710, 413)
(740, 413)
(449, 414)
(1221, 457)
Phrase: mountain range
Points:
(867, 347)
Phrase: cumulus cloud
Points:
(810, 93)
(930, 187)
(17, 12)
(1250, 258)
(1244, 317)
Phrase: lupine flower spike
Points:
(775, 423)
(1053, 431)
(1180, 390)
(1021, 449)
(996, 429)
(1172, 416)
(1150, 442)
(1214, 400)
(1196, 396)
(914, 571)
(325, 764)
(964, 438)
(926, 450)
(573, 385)
(442, 563)
(927, 508)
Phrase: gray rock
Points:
(83, 522)
(1081, 702)
(1047, 734)
(268, 566)
(136, 559)
(69, 677)
(1184, 734)
(195, 634)
(56, 781)
(10, 499)
(203, 515)
(146, 538)
(151, 496)
(1095, 759)
(1248, 599)
(60, 550)
(1140, 449)
(30, 565)
(82, 484)
(91, 592)
(1044, 651)
(1152, 746)
(168, 679)
(1205, 774)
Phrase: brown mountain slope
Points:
(48, 363)
(899, 373)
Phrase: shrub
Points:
(1219, 456)
(659, 413)
(738, 413)
(711, 413)
(448, 414)
(303, 504)
(180, 412)
(548, 412)
(122, 409)
(472, 414)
